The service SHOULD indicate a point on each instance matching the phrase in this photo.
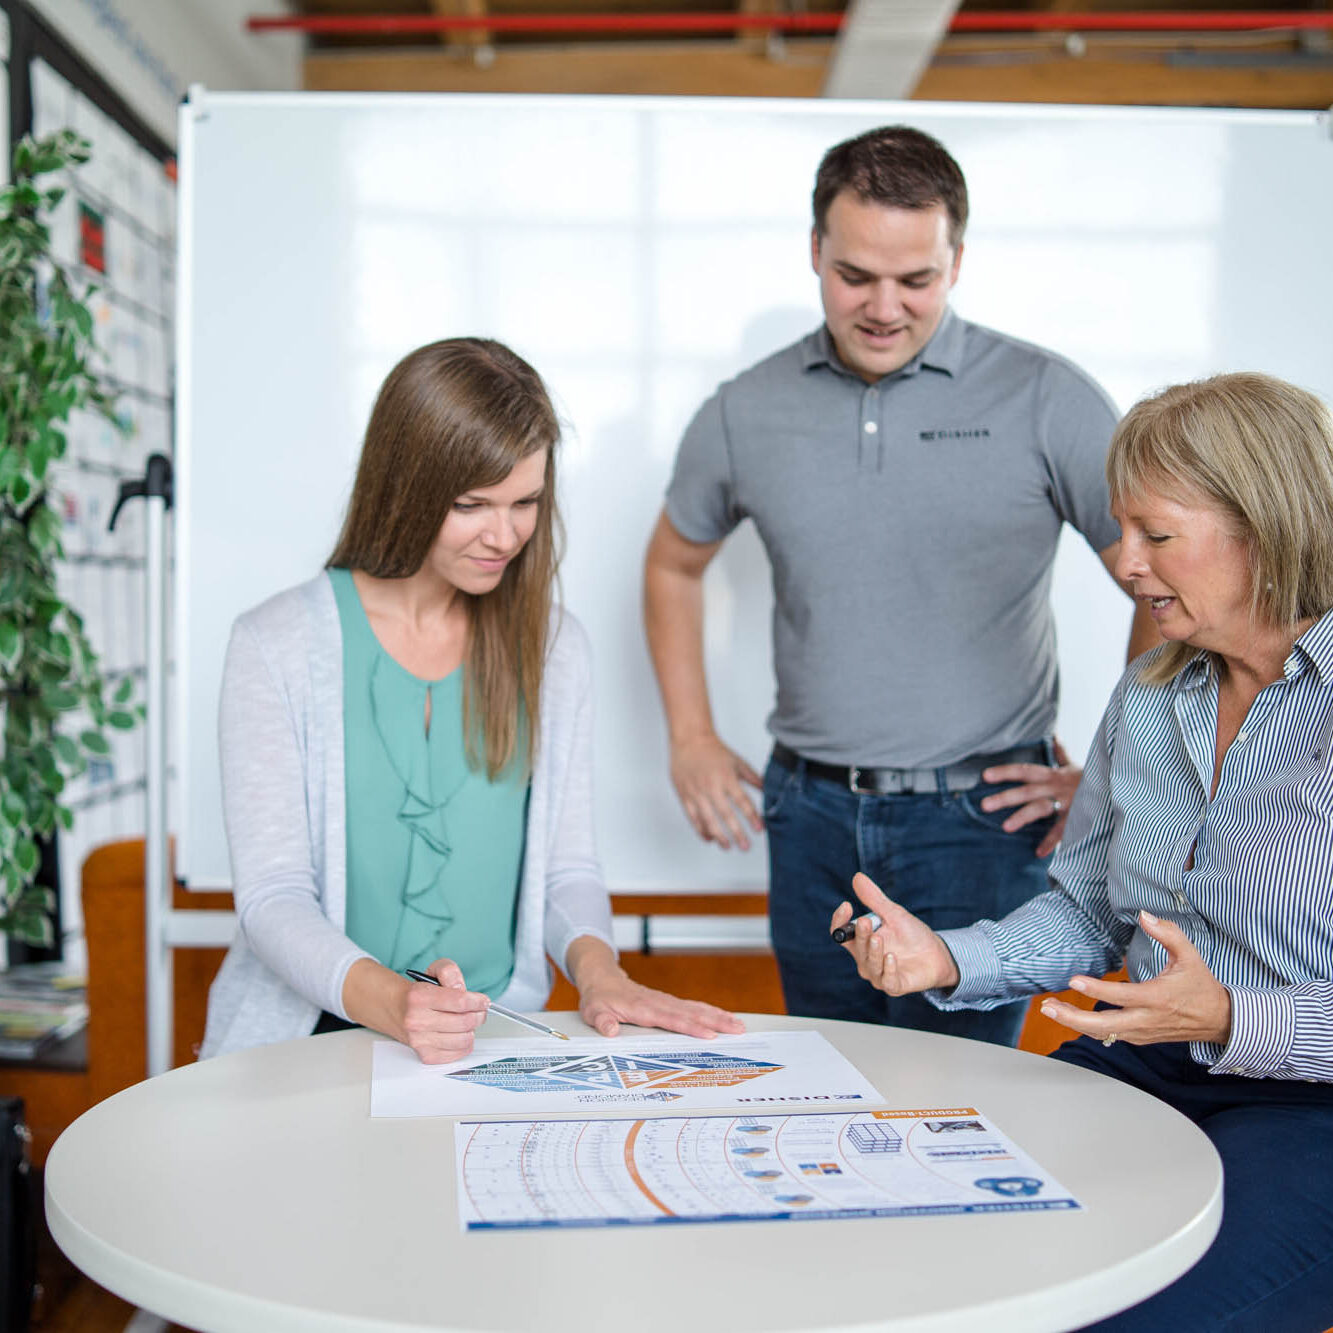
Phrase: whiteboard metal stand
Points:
(155, 488)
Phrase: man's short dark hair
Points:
(895, 166)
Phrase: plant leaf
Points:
(34, 927)
(14, 810)
(50, 366)
(26, 857)
(11, 645)
(44, 530)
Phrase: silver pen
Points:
(511, 1014)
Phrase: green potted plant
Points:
(55, 703)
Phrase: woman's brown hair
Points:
(451, 417)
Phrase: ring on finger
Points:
(1056, 807)
(1111, 1040)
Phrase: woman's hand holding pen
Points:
(437, 1022)
(903, 955)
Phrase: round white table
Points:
(254, 1193)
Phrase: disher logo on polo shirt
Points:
(972, 433)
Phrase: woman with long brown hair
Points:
(406, 745)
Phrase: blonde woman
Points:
(406, 745)
(1199, 849)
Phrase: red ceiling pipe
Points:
(1144, 21)
(415, 23)
(999, 21)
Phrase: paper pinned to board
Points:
(535, 1076)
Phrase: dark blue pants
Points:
(938, 854)
(1270, 1270)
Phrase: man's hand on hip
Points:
(709, 780)
(1040, 793)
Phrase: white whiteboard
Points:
(637, 251)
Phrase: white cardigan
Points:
(281, 738)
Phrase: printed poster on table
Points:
(538, 1076)
(729, 1168)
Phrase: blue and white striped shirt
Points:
(1257, 903)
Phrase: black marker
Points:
(841, 934)
(511, 1014)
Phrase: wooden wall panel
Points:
(1129, 81)
(682, 69)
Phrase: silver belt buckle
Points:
(854, 783)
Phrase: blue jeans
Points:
(1270, 1270)
(938, 854)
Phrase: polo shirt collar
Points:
(943, 352)
(817, 350)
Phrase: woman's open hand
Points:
(608, 998)
(1183, 1002)
(611, 1001)
(903, 955)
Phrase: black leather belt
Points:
(909, 781)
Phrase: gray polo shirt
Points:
(911, 525)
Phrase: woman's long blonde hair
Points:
(451, 417)
(1260, 451)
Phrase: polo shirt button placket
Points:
(870, 431)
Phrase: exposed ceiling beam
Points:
(885, 46)
(1106, 75)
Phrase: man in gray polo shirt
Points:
(908, 473)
